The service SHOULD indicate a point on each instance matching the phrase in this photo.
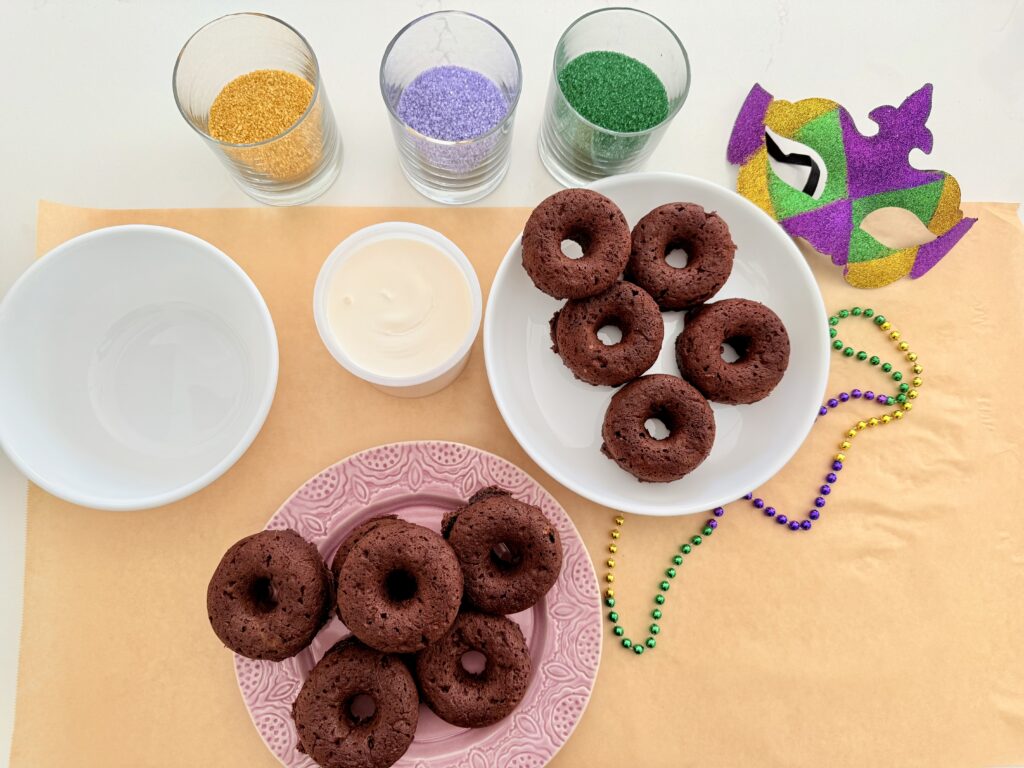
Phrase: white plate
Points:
(139, 364)
(557, 419)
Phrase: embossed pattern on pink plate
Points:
(419, 481)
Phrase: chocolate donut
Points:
(349, 541)
(509, 551)
(336, 737)
(754, 332)
(709, 249)
(574, 335)
(270, 595)
(400, 587)
(683, 411)
(591, 220)
(474, 700)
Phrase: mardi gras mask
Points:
(863, 174)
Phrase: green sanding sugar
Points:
(614, 91)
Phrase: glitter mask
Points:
(863, 174)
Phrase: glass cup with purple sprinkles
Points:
(451, 81)
(619, 77)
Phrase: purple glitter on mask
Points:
(452, 104)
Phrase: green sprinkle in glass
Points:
(620, 76)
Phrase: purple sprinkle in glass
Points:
(452, 104)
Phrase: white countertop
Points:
(89, 119)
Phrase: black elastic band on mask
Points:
(795, 158)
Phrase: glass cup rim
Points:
(447, 142)
(672, 113)
(296, 124)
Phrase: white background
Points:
(88, 117)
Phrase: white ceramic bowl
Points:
(557, 419)
(138, 364)
(442, 374)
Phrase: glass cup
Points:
(291, 168)
(454, 172)
(576, 151)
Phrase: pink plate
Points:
(420, 481)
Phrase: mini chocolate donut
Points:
(349, 541)
(709, 248)
(474, 700)
(574, 333)
(400, 587)
(510, 552)
(335, 736)
(683, 411)
(754, 332)
(270, 595)
(591, 220)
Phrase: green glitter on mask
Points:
(614, 91)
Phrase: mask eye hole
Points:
(896, 227)
(796, 164)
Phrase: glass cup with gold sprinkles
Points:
(250, 85)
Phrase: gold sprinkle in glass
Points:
(250, 85)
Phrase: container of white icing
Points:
(398, 305)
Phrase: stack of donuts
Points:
(415, 602)
(624, 279)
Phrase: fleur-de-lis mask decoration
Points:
(862, 175)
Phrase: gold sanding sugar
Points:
(258, 106)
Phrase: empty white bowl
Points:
(138, 364)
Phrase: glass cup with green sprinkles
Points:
(250, 86)
(619, 77)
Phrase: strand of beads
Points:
(902, 400)
(710, 525)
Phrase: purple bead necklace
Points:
(902, 401)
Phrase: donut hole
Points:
(657, 428)
(735, 348)
(261, 595)
(473, 663)
(400, 585)
(676, 255)
(609, 334)
(359, 709)
(574, 245)
(506, 557)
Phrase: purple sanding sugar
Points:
(452, 103)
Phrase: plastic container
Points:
(420, 383)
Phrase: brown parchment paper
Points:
(893, 634)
